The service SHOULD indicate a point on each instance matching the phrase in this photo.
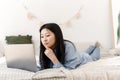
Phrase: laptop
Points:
(21, 56)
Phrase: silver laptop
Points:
(21, 56)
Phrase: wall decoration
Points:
(116, 22)
(68, 23)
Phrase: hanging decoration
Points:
(67, 23)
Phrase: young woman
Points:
(55, 52)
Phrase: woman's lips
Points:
(45, 43)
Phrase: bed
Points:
(107, 68)
(103, 69)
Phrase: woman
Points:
(55, 52)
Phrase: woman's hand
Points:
(51, 55)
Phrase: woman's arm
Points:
(71, 57)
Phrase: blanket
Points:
(103, 69)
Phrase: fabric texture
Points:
(49, 74)
(103, 69)
(115, 52)
(20, 39)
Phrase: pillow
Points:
(82, 46)
(115, 52)
(20, 39)
(47, 74)
(104, 53)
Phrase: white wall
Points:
(94, 24)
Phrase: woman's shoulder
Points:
(69, 44)
(66, 42)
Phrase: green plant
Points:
(118, 30)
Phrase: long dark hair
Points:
(60, 47)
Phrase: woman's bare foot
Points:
(97, 44)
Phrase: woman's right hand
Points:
(51, 55)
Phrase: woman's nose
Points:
(45, 39)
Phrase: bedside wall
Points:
(94, 24)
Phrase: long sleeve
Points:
(71, 57)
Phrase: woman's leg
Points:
(95, 54)
(90, 49)
(94, 51)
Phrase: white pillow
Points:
(82, 46)
(49, 74)
(115, 52)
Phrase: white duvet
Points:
(103, 69)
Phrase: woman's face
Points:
(48, 38)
